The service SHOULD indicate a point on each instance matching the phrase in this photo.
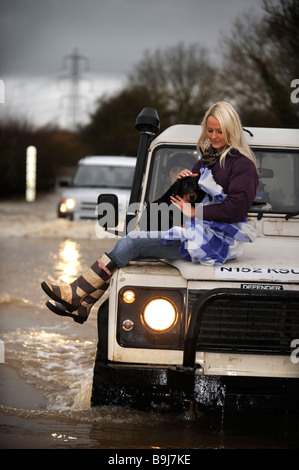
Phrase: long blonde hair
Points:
(231, 128)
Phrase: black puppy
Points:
(160, 216)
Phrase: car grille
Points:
(87, 210)
(247, 325)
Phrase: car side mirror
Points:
(107, 210)
(64, 183)
(265, 173)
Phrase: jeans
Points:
(143, 244)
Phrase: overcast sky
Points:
(111, 36)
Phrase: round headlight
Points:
(70, 203)
(67, 205)
(63, 208)
(160, 314)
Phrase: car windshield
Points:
(278, 176)
(166, 164)
(278, 181)
(104, 176)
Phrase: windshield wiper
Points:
(260, 207)
(263, 208)
(86, 185)
(289, 215)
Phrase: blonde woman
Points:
(225, 150)
(227, 166)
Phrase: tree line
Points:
(258, 63)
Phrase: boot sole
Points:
(56, 310)
(51, 294)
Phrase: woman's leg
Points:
(142, 244)
(92, 283)
(80, 295)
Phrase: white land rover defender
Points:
(229, 335)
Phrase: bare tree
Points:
(282, 25)
(180, 79)
(258, 66)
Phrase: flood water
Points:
(47, 361)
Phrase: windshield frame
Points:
(255, 208)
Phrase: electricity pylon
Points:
(73, 63)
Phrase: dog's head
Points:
(189, 190)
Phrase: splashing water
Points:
(55, 363)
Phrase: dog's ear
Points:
(195, 178)
(174, 189)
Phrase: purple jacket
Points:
(239, 181)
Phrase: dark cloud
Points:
(35, 35)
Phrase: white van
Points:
(95, 175)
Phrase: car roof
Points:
(108, 160)
(256, 136)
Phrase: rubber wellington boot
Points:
(83, 311)
(72, 295)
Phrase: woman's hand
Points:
(184, 173)
(185, 207)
